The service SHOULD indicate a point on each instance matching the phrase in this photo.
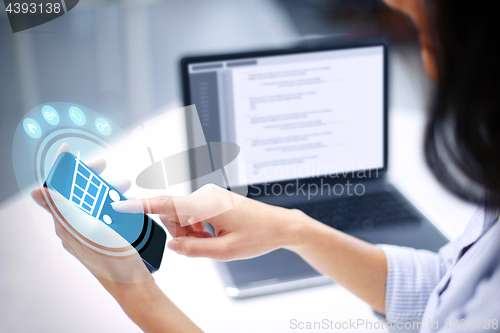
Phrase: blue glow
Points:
(77, 116)
(50, 115)
(103, 127)
(32, 128)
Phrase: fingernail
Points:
(174, 246)
(128, 206)
(118, 204)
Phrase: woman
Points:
(457, 288)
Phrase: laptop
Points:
(311, 122)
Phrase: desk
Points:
(44, 289)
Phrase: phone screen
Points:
(76, 182)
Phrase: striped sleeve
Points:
(411, 276)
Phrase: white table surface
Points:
(44, 289)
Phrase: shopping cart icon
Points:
(88, 191)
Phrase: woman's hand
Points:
(252, 228)
(245, 230)
(140, 297)
(108, 270)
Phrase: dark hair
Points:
(462, 139)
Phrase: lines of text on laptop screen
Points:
(295, 116)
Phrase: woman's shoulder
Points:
(482, 222)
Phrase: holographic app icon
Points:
(103, 126)
(32, 128)
(77, 116)
(50, 115)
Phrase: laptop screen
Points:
(295, 115)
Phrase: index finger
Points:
(196, 207)
(162, 204)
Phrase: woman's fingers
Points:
(38, 196)
(63, 148)
(63, 233)
(187, 209)
(97, 166)
(163, 205)
(68, 248)
(198, 227)
(209, 247)
(175, 229)
(131, 206)
(121, 186)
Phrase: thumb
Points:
(190, 246)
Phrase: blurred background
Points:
(121, 57)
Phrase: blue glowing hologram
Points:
(106, 232)
(50, 115)
(75, 181)
(32, 128)
(77, 116)
(103, 126)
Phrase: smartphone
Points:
(76, 182)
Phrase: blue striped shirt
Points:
(448, 290)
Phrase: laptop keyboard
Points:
(363, 213)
